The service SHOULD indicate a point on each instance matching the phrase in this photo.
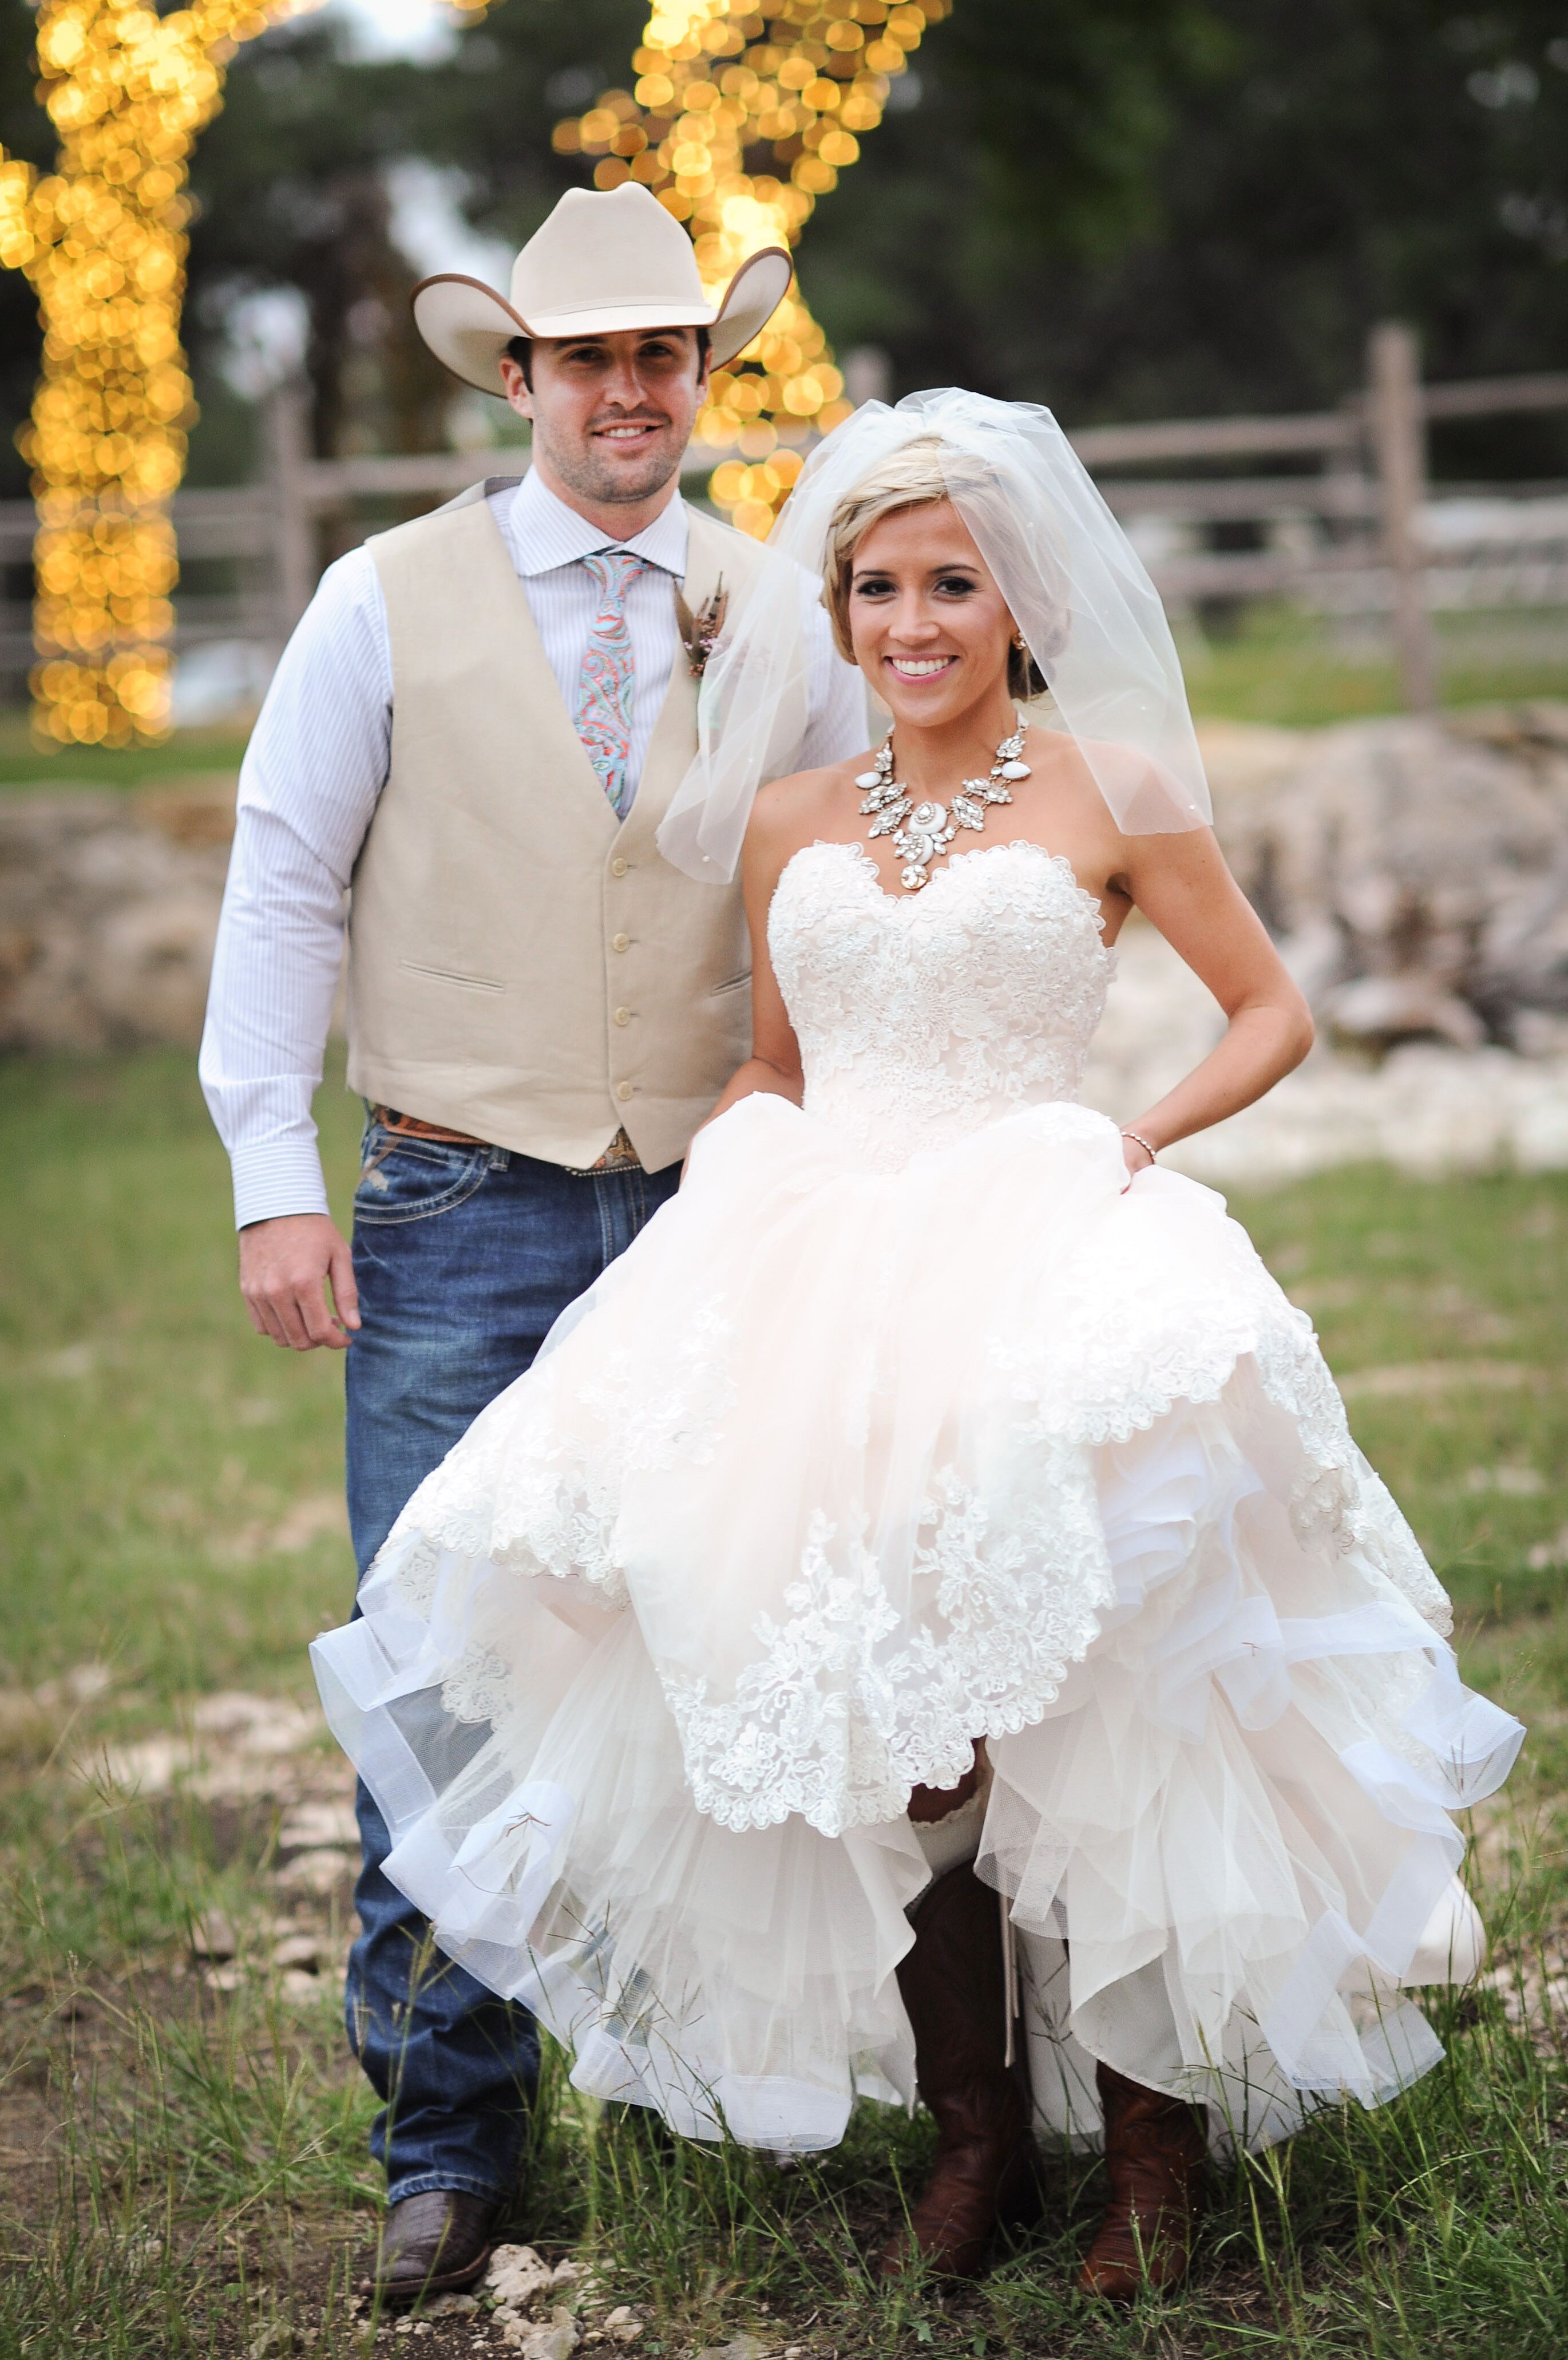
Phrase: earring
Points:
(1021, 643)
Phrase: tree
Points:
(1214, 204)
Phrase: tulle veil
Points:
(1076, 587)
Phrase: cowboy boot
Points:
(1155, 2151)
(436, 2243)
(954, 1988)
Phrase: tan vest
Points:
(522, 965)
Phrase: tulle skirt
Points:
(832, 1473)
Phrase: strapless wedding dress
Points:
(908, 1421)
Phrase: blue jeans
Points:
(465, 1256)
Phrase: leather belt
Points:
(410, 1126)
(619, 1156)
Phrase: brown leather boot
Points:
(436, 2243)
(1155, 2151)
(954, 1987)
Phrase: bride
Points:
(940, 1501)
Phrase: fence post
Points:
(294, 546)
(1398, 450)
(867, 373)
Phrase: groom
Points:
(476, 731)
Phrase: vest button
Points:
(623, 1015)
(617, 867)
(623, 1091)
(621, 943)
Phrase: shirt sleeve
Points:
(840, 722)
(313, 773)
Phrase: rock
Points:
(235, 1747)
(212, 1936)
(744, 2347)
(1432, 855)
(304, 1950)
(314, 1826)
(1428, 1109)
(1376, 1012)
(318, 1871)
(108, 911)
(622, 2325)
(549, 2339)
(451, 2306)
(1240, 756)
(516, 2275)
(81, 1685)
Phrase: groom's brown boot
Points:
(954, 1987)
(1155, 2152)
(435, 2242)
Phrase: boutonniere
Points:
(699, 631)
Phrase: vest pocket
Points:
(451, 974)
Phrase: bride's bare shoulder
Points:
(794, 811)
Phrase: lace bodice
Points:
(924, 1017)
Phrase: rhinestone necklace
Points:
(921, 832)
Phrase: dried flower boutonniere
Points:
(699, 631)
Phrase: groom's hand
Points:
(293, 1272)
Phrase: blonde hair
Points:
(921, 473)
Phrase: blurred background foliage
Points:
(1127, 208)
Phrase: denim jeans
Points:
(464, 1256)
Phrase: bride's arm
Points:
(1182, 884)
(774, 1064)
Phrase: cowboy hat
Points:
(604, 260)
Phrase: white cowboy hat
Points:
(605, 259)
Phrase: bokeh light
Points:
(103, 238)
(716, 79)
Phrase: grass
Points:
(1297, 671)
(182, 2166)
(214, 748)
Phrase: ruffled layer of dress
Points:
(837, 1471)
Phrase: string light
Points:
(714, 78)
(103, 239)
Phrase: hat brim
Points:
(468, 326)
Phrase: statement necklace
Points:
(923, 831)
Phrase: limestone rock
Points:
(1426, 858)
(516, 2275)
(108, 913)
(547, 2339)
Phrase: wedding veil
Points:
(1076, 587)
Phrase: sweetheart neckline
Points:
(858, 854)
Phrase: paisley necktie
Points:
(605, 690)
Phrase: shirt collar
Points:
(545, 533)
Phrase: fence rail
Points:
(1346, 525)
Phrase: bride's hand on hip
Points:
(1136, 1155)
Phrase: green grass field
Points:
(182, 2168)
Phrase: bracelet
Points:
(1139, 1141)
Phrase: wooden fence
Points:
(1334, 513)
